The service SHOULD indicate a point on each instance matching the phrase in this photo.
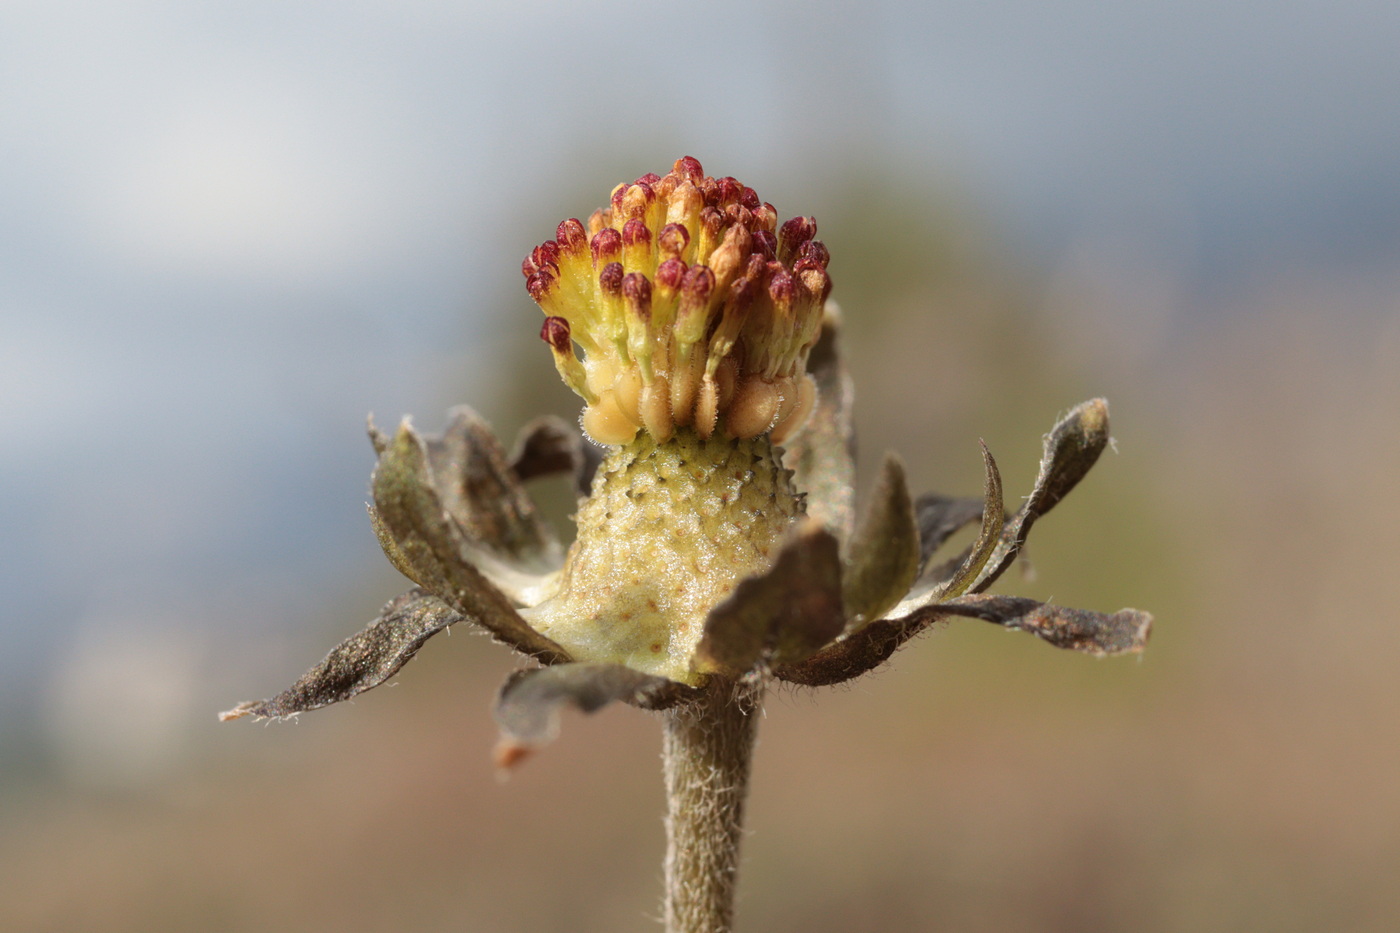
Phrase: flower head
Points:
(692, 307)
(716, 541)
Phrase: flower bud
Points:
(692, 306)
(555, 332)
(606, 247)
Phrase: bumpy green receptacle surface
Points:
(668, 532)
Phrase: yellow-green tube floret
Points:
(691, 306)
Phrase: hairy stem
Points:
(707, 749)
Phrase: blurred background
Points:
(230, 230)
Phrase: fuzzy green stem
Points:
(707, 749)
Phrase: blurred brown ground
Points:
(1240, 776)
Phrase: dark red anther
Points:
(816, 251)
(606, 246)
(670, 274)
(749, 198)
(798, 230)
(610, 278)
(739, 214)
(688, 167)
(635, 233)
(730, 190)
(571, 235)
(742, 292)
(541, 257)
(638, 196)
(709, 190)
(538, 285)
(698, 285)
(555, 332)
(649, 179)
(672, 240)
(765, 244)
(792, 235)
(636, 291)
(546, 254)
(712, 219)
(781, 288)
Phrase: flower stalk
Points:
(707, 751)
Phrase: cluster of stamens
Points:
(691, 306)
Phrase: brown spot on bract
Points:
(656, 648)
